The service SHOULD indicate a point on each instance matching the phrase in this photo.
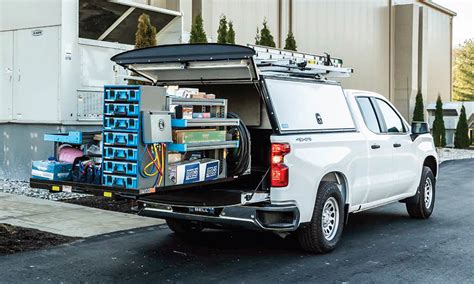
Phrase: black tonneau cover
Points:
(191, 63)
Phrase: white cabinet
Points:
(6, 75)
(36, 75)
(29, 78)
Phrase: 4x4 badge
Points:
(303, 139)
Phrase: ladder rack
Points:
(276, 60)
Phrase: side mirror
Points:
(419, 128)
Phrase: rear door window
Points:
(308, 106)
(368, 113)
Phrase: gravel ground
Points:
(447, 154)
(23, 188)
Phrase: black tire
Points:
(419, 208)
(183, 226)
(311, 236)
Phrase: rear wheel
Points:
(324, 231)
(423, 206)
(183, 226)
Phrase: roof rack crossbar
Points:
(269, 59)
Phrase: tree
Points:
(198, 35)
(144, 37)
(419, 111)
(265, 38)
(461, 136)
(230, 34)
(463, 85)
(439, 132)
(146, 33)
(222, 30)
(290, 42)
(257, 37)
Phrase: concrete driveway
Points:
(66, 219)
(381, 245)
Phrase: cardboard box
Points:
(186, 92)
(199, 95)
(198, 136)
(174, 158)
(184, 112)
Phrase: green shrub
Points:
(419, 111)
(290, 42)
(230, 34)
(265, 36)
(461, 136)
(222, 30)
(439, 131)
(198, 35)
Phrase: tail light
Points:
(279, 171)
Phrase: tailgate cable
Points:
(249, 197)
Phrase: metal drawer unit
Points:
(123, 150)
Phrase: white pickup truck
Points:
(317, 152)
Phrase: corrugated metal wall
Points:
(245, 14)
(438, 50)
(357, 31)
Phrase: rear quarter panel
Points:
(314, 155)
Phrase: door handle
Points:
(375, 146)
(397, 145)
(9, 71)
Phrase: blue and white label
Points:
(191, 173)
(212, 171)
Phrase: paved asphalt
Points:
(381, 245)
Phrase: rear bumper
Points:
(268, 217)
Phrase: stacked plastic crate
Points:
(121, 136)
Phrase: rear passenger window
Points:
(309, 106)
(393, 122)
(368, 113)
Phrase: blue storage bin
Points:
(125, 168)
(121, 139)
(122, 95)
(127, 154)
(121, 109)
(121, 123)
(119, 181)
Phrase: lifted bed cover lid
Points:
(192, 63)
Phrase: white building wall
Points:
(21, 14)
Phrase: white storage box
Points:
(184, 172)
(209, 169)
